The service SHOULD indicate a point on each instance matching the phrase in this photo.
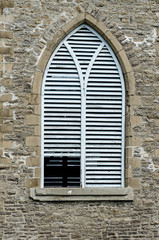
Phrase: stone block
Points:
(8, 67)
(37, 172)
(6, 128)
(5, 113)
(157, 91)
(130, 83)
(6, 34)
(44, 60)
(135, 183)
(32, 141)
(8, 18)
(125, 64)
(32, 119)
(33, 99)
(6, 97)
(5, 161)
(7, 82)
(135, 100)
(5, 144)
(6, 50)
(7, 3)
(113, 42)
(136, 121)
(156, 122)
(37, 109)
(136, 163)
(157, 77)
(128, 152)
(157, 153)
(32, 182)
(33, 162)
(90, 20)
(157, 61)
(37, 130)
(37, 83)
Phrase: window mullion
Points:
(83, 113)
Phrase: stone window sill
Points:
(82, 194)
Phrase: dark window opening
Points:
(62, 172)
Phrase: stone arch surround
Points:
(131, 98)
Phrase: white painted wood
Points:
(83, 108)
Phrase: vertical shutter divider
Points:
(83, 113)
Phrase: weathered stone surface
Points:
(29, 32)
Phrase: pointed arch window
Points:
(83, 114)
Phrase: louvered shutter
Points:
(83, 114)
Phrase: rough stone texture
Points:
(29, 31)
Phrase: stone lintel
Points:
(82, 194)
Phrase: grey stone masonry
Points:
(29, 33)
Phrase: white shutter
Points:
(83, 113)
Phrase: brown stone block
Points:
(157, 1)
(7, 82)
(38, 172)
(128, 152)
(5, 113)
(44, 60)
(33, 98)
(6, 128)
(37, 130)
(33, 162)
(37, 83)
(37, 109)
(8, 67)
(130, 83)
(136, 121)
(6, 50)
(112, 41)
(7, 3)
(32, 182)
(128, 173)
(6, 98)
(125, 64)
(157, 153)
(157, 61)
(157, 107)
(136, 141)
(5, 161)
(32, 120)
(157, 77)
(134, 183)
(156, 137)
(5, 144)
(135, 100)
(136, 163)
(157, 91)
(38, 150)
(6, 34)
(101, 28)
(156, 122)
(32, 141)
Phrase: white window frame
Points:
(83, 109)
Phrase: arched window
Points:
(83, 114)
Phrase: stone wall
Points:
(29, 32)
